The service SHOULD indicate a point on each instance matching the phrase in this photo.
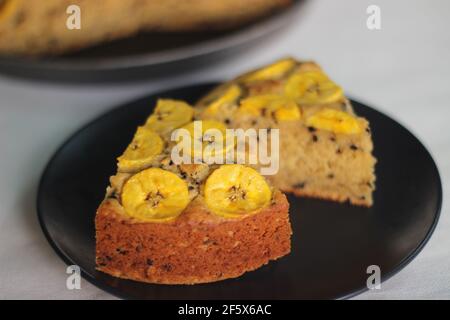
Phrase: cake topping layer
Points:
(153, 187)
(287, 90)
(325, 147)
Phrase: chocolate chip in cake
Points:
(121, 251)
(275, 120)
(210, 241)
(149, 262)
(299, 185)
(167, 267)
(315, 138)
(330, 176)
(102, 261)
(339, 151)
(19, 18)
(254, 122)
(353, 147)
(227, 121)
(368, 130)
(362, 198)
(263, 111)
(333, 139)
(312, 129)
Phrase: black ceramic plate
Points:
(332, 245)
(148, 54)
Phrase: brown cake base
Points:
(197, 247)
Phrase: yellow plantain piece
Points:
(146, 145)
(312, 87)
(210, 144)
(234, 190)
(169, 115)
(228, 98)
(270, 105)
(335, 121)
(155, 195)
(272, 72)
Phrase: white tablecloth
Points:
(402, 69)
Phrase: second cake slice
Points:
(325, 148)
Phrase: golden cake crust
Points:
(197, 247)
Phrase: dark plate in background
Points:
(332, 245)
(149, 54)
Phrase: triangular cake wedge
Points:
(325, 148)
(187, 223)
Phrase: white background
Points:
(403, 70)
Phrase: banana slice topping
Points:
(146, 145)
(155, 195)
(210, 140)
(169, 115)
(271, 72)
(230, 96)
(234, 190)
(312, 87)
(334, 120)
(270, 105)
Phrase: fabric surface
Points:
(402, 70)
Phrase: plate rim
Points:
(68, 260)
